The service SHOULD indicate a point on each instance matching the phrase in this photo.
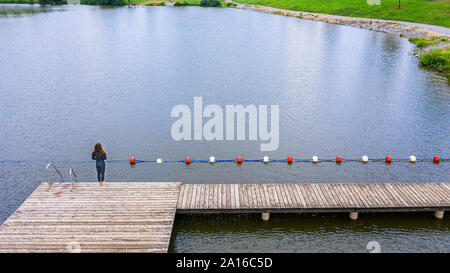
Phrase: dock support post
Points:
(265, 216)
(353, 215)
(439, 214)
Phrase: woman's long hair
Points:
(98, 150)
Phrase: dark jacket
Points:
(100, 160)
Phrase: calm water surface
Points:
(72, 76)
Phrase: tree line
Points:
(103, 2)
(84, 2)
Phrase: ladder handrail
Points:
(72, 172)
(48, 176)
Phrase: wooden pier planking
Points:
(325, 197)
(139, 216)
(117, 217)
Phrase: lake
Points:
(71, 76)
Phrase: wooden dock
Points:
(138, 216)
(117, 217)
(318, 197)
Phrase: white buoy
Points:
(365, 159)
(266, 159)
(265, 216)
(159, 160)
(439, 214)
(315, 159)
(412, 158)
(353, 215)
(212, 159)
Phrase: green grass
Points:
(424, 42)
(438, 59)
(187, 3)
(435, 12)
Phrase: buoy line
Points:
(289, 160)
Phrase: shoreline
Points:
(403, 29)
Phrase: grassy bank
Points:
(424, 42)
(420, 11)
(437, 59)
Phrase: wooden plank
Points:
(322, 196)
(232, 197)
(294, 195)
(241, 196)
(409, 199)
(257, 194)
(378, 199)
(365, 197)
(191, 196)
(260, 193)
(269, 199)
(300, 195)
(341, 194)
(114, 218)
(437, 192)
(396, 196)
(410, 196)
(387, 195)
(215, 198)
(350, 197)
(201, 195)
(228, 191)
(331, 202)
(236, 194)
(205, 196)
(422, 199)
(284, 195)
(302, 189)
(277, 195)
(274, 196)
(291, 198)
(248, 196)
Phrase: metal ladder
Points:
(71, 173)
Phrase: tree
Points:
(52, 2)
(210, 3)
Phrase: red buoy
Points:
(239, 159)
(388, 159)
(289, 159)
(132, 160)
(188, 160)
(338, 159)
(436, 159)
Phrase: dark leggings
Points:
(101, 172)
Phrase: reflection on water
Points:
(69, 79)
(418, 232)
(25, 9)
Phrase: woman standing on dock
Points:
(99, 155)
